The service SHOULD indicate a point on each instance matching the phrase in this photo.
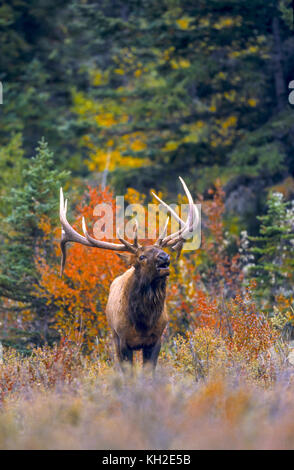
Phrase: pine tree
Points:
(22, 236)
(273, 251)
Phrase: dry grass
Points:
(57, 399)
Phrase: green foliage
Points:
(273, 251)
(264, 150)
(181, 86)
(11, 165)
(31, 201)
(286, 9)
(36, 75)
(191, 80)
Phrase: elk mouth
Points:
(163, 268)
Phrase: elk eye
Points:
(142, 257)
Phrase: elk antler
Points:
(177, 239)
(69, 234)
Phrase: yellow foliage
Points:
(184, 63)
(252, 102)
(195, 130)
(124, 118)
(230, 95)
(136, 141)
(180, 63)
(251, 49)
(227, 22)
(82, 105)
(191, 138)
(138, 146)
(184, 23)
(105, 120)
(171, 145)
(98, 77)
(86, 140)
(154, 82)
(204, 22)
(133, 196)
(221, 75)
(115, 152)
(225, 132)
(229, 122)
(112, 158)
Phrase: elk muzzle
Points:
(162, 264)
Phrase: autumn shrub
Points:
(80, 404)
(44, 368)
(202, 281)
(203, 355)
(196, 354)
(49, 367)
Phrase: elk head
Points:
(150, 262)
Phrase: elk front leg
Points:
(150, 354)
(123, 352)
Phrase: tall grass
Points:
(58, 399)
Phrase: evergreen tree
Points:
(11, 167)
(273, 268)
(34, 199)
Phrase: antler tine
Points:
(131, 247)
(163, 234)
(69, 234)
(136, 234)
(173, 237)
(174, 214)
(193, 214)
(177, 239)
(128, 245)
(191, 204)
(62, 241)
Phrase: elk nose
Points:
(163, 257)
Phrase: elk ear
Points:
(127, 258)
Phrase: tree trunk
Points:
(280, 87)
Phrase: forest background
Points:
(117, 97)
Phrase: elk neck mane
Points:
(145, 301)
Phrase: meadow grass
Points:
(59, 399)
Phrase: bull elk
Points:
(136, 310)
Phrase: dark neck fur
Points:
(146, 302)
